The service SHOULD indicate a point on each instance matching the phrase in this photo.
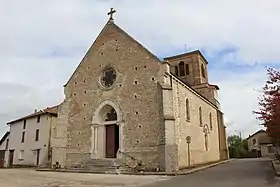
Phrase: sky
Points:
(42, 42)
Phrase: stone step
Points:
(102, 160)
(96, 170)
(100, 166)
(99, 162)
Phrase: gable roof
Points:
(49, 110)
(260, 131)
(262, 139)
(133, 40)
(111, 23)
(4, 137)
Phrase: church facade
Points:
(123, 103)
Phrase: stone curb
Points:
(276, 170)
(144, 173)
(187, 172)
(73, 171)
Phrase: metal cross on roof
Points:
(111, 13)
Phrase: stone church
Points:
(123, 103)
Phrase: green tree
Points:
(238, 147)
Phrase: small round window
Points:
(108, 77)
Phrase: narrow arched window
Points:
(182, 68)
(187, 69)
(187, 110)
(210, 121)
(202, 70)
(176, 71)
(200, 116)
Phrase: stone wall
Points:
(264, 150)
(192, 127)
(223, 146)
(149, 133)
(135, 92)
(58, 139)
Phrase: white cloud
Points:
(43, 41)
(239, 98)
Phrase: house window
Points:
(22, 137)
(37, 135)
(187, 69)
(182, 68)
(7, 144)
(202, 71)
(21, 155)
(200, 116)
(187, 110)
(210, 121)
(254, 141)
(24, 124)
(176, 71)
(38, 119)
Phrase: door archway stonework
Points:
(98, 128)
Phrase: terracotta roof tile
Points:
(49, 110)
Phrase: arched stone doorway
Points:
(106, 128)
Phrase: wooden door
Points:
(110, 141)
(2, 158)
(11, 158)
(38, 157)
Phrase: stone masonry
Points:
(150, 107)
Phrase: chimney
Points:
(35, 110)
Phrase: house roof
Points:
(260, 131)
(206, 83)
(188, 53)
(4, 137)
(262, 139)
(48, 110)
(214, 85)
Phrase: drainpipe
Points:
(49, 143)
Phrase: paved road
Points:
(32, 178)
(241, 173)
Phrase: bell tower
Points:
(190, 67)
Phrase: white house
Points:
(29, 139)
(4, 142)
